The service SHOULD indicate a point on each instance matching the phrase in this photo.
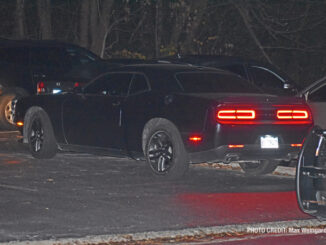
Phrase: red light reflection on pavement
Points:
(12, 162)
(237, 208)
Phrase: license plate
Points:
(269, 142)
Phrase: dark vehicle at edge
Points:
(311, 174)
(265, 76)
(30, 67)
(171, 115)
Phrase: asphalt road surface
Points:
(76, 195)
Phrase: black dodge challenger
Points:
(170, 115)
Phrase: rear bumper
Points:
(247, 153)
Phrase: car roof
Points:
(222, 60)
(159, 67)
(216, 59)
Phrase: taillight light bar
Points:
(282, 114)
(236, 114)
(292, 114)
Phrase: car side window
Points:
(237, 69)
(266, 79)
(318, 95)
(77, 57)
(138, 84)
(113, 84)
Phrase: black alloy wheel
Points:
(36, 135)
(41, 139)
(160, 152)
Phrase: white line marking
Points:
(19, 188)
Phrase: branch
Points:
(246, 19)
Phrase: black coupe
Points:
(171, 115)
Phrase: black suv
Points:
(264, 76)
(33, 67)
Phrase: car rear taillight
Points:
(293, 116)
(235, 116)
(40, 87)
(271, 114)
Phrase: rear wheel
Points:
(42, 143)
(259, 167)
(6, 117)
(164, 150)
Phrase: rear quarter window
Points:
(200, 82)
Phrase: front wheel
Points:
(42, 143)
(165, 152)
(259, 167)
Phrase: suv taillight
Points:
(40, 87)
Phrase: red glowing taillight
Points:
(76, 84)
(40, 87)
(292, 114)
(234, 115)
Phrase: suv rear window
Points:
(200, 82)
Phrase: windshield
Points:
(210, 82)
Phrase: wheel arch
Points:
(152, 122)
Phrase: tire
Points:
(6, 119)
(259, 168)
(164, 150)
(41, 140)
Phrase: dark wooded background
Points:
(289, 34)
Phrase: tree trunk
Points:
(181, 13)
(100, 24)
(198, 8)
(84, 23)
(158, 27)
(244, 13)
(20, 19)
(44, 15)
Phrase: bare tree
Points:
(20, 19)
(84, 23)
(44, 15)
(244, 13)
